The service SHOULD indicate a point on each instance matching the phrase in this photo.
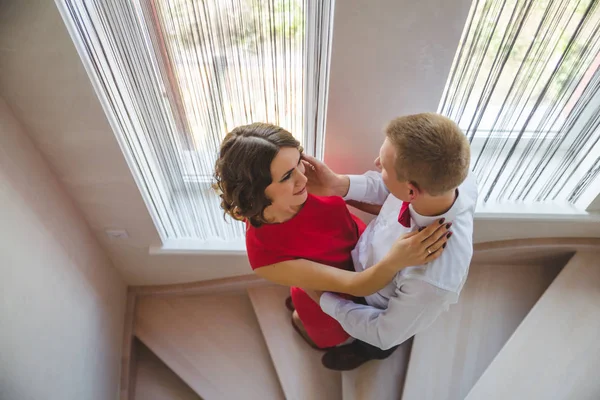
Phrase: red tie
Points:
(404, 216)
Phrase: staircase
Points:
(155, 381)
(521, 330)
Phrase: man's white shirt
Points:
(417, 295)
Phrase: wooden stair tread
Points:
(298, 366)
(212, 342)
(381, 380)
(555, 351)
(450, 356)
(155, 381)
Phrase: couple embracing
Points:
(357, 292)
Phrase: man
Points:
(424, 164)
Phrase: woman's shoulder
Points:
(332, 201)
(268, 244)
(266, 233)
(333, 206)
(315, 209)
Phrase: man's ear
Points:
(413, 191)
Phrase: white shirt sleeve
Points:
(367, 188)
(414, 306)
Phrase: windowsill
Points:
(541, 212)
(488, 212)
(204, 247)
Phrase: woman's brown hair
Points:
(243, 169)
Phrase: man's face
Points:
(386, 164)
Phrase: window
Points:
(525, 87)
(176, 75)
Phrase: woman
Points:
(300, 240)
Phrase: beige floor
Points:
(555, 353)
(298, 366)
(382, 380)
(449, 357)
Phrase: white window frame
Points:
(314, 145)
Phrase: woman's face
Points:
(288, 188)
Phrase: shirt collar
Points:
(450, 215)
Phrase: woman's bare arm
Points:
(409, 250)
(311, 275)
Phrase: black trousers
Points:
(368, 350)
(372, 352)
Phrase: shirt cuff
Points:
(358, 187)
(329, 303)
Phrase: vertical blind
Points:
(177, 75)
(525, 87)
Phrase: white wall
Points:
(389, 58)
(62, 303)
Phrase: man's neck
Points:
(432, 206)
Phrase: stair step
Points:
(450, 356)
(212, 342)
(155, 381)
(378, 380)
(555, 351)
(298, 366)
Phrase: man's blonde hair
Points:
(431, 152)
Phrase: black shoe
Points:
(289, 304)
(345, 358)
(353, 355)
